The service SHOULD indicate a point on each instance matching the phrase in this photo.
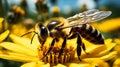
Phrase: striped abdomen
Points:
(90, 33)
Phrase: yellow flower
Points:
(117, 48)
(108, 25)
(21, 50)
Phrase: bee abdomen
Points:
(91, 34)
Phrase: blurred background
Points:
(29, 12)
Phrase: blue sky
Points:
(71, 4)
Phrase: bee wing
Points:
(89, 16)
(96, 16)
(82, 15)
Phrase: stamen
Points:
(52, 57)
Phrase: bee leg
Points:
(83, 47)
(51, 47)
(72, 36)
(79, 44)
(62, 48)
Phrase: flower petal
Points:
(97, 50)
(25, 42)
(108, 25)
(109, 56)
(4, 35)
(9, 55)
(117, 41)
(116, 63)
(96, 62)
(108, 48)
(31, 64)
(80, 65)
(36, 64)
(93, 50)
(17, 48)
(60, 65)
(107, 41)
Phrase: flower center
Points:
(52, 57)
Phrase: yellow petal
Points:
(31, 64)
(4, 54)
(45, 65)
(60, 65)
(108, 25)
(109, 56)
(107, 41)
(80, 65)
(93, 50)
(117, 41)
(117, 47)
(36, 64)
(108, 48)
(116, 63)
(25, 42)
(17, 48)
(4, 35)
(96, 62)
(17, 58)
(96, 50)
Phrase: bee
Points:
(14, 14)
(76, 26)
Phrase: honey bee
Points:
(76, 26)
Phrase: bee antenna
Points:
(27, 33)
(33, 37)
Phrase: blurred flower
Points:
(55, 11)
(90, 4)
(103, 8)
(28, 23)
(14, 14)
(108, 25)
(42, 7)
(21, 50)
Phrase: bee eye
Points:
(43, 34)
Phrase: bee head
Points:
(42, 32)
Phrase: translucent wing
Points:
(96, 16)
(81, 15)
(90, 16)
(87, 17)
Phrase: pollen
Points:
(67, 56)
